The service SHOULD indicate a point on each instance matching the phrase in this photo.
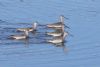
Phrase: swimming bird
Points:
(59, 39)
(33, 28)
(58, 24)
(18, 37)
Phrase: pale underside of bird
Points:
(55, 41)
(24, 29)
(56, 34)
(55, 25)
(18, 37)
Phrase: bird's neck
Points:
(26, 33)
(62, 19)
(34, 26)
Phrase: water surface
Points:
(81, 50)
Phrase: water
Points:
(81, 50)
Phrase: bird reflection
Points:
(26, 42)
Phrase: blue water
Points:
(81, 50)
